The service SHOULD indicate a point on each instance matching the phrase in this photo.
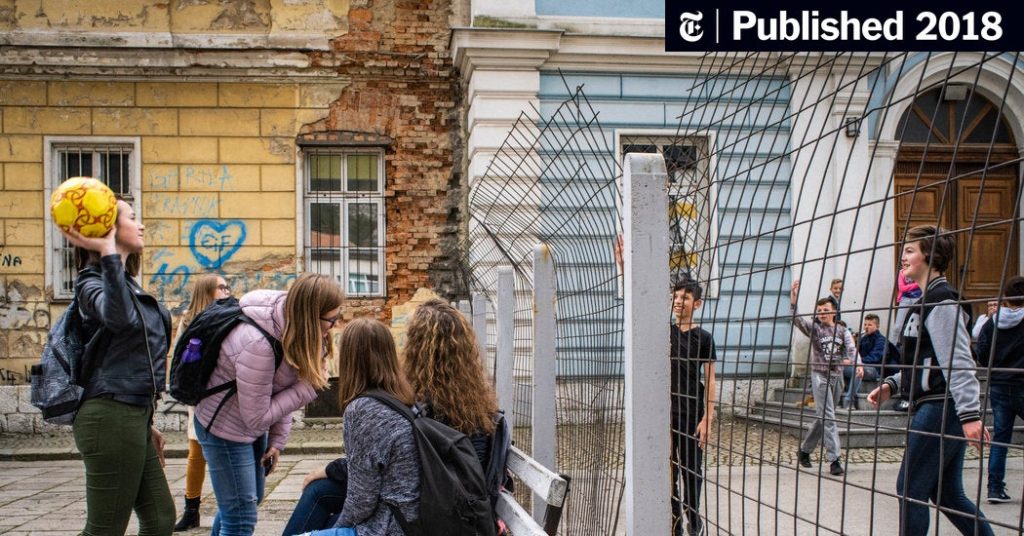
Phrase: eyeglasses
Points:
(225, 288)
(331, 321)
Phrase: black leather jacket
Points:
(117, 361)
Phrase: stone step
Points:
(849, 436)
(858, 418)
(852, 434)
(792, 395)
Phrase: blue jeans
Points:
(319, 507)
(341, 531)
(932, 470)
(1007, 402)
(853, 382)
(238, 481)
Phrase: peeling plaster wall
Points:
(131, 22)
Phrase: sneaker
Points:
(998, 496)
(902, 405)
(836, 468)
(805, 460)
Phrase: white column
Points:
(504, 354)
(544, 446)
(645, 198)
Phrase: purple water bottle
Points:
(192, 351)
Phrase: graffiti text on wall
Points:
(7, 259)
(193, 177)
(212, 243)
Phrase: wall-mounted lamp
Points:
(852, 127)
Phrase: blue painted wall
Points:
(749, 315)
(649, 9)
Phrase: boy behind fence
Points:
(1001, 346)
(692, 352)
(830, 346)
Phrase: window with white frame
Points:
(344, 212)
(692, 228)
(112, 160)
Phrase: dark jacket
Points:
(1002, 339)
(872, 348)
(936, 347)
(117, 362)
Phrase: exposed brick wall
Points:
(403, 87)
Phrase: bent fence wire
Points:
(783, 167)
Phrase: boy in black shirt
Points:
(692, 350)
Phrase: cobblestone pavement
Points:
(752, 485)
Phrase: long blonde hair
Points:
(203, 291)
(442, 362)
(310, 298)
(368, 360)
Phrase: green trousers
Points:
(122, 470)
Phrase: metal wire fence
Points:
(817, 168)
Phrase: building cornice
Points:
(532, 48)
(503, 48)
(46, 62)
(285, 40)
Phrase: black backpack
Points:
(56, 380)
(496, 476)
(211, 326)
(454, 498)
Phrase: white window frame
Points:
(662, 137)
(345, 199)
(52, 236)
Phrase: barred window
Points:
(344, 227)
(111, 160)
(692, 214)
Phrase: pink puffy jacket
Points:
(265, 399)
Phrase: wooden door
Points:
(957, 168)
(978, 207)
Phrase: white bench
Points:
(552, 488)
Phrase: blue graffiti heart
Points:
(213, 242)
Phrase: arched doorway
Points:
(957, 167)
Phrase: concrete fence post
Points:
(544, 444)
(480, 328)
(504, 347)
(647, 306)
(464, 307)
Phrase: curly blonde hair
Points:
(442, 362)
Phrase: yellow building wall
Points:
(218, 183)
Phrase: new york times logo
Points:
(690, 28)
(738, 25)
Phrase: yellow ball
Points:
(86, 204)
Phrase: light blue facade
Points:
(751, 183)
(647, 9)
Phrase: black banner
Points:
(807, 26)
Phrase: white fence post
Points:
(504, 347)
(480, 327)
(464, 308)
(647, 306)
(544, 446)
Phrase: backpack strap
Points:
(391, 402)
(232, 386)
(408, 527)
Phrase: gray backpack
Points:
(55, 390)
